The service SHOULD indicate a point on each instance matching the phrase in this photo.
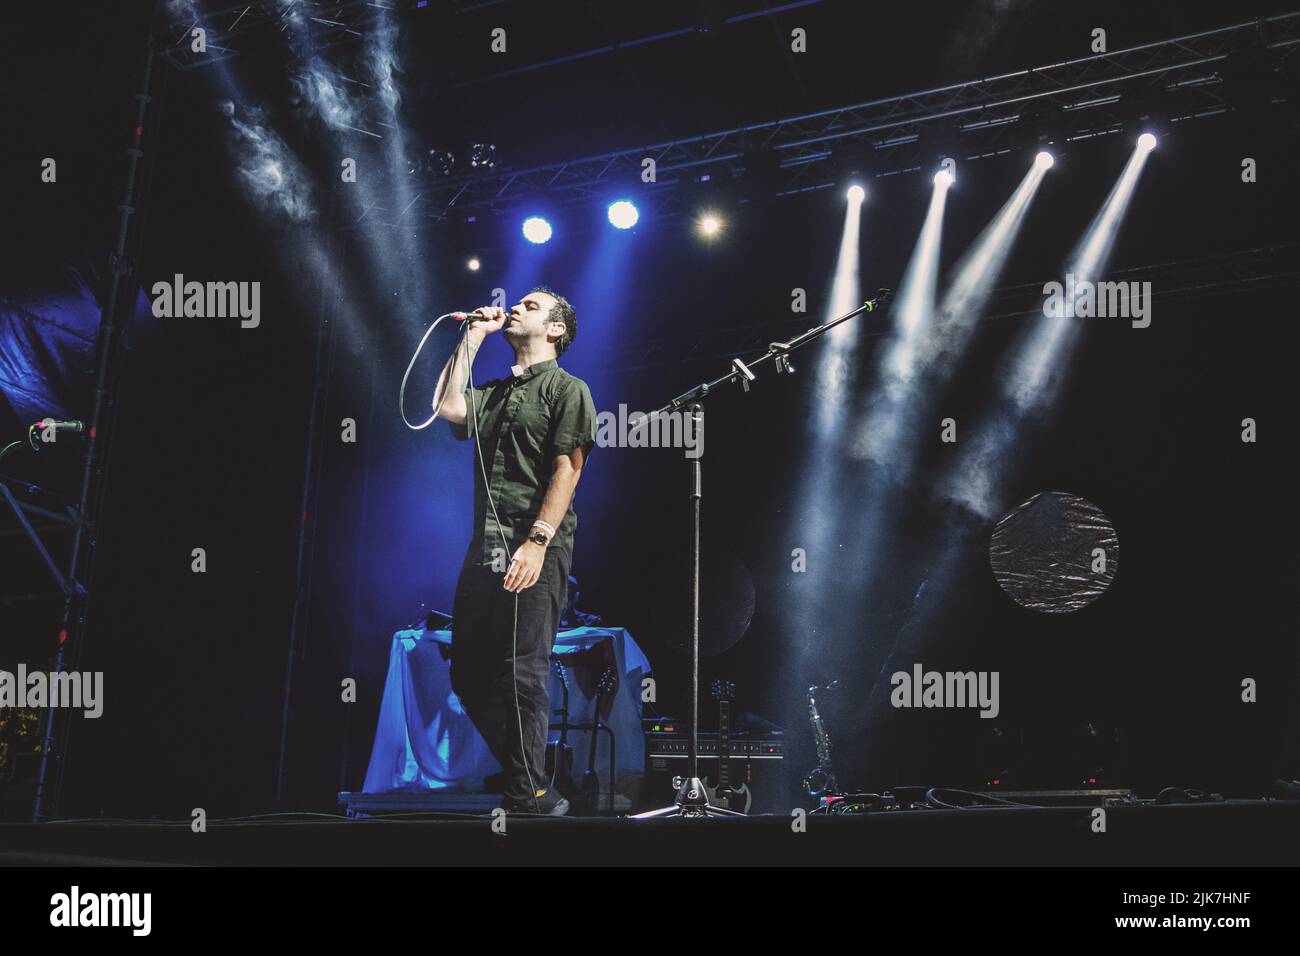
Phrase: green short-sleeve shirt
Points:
(524, 422)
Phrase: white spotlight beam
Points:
(1040, 367)
(835, 362)
(975, 275)
(815, 521)
(1036, 371)
(380, 58)
(277, 183)
(878, 433)
(915, 303)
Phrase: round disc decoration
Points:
(1054, 553)
(727, 601)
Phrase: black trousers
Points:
(490, 654)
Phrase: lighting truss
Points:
(1180, 281)
(1177, 80)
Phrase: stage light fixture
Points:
(709, 224)
(1044, 160)
(537, 230)
(1147, 141)
(944, 178)
(441, 162)
(623, 214)
(473, 265)
(431, 162)
(483, 156)
(856, 193)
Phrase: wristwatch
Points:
(538, 536)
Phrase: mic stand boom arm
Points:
(778, 352)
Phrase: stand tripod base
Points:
(692, 801)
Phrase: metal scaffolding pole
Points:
(326, 346)
(86, 517)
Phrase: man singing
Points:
(534, 430)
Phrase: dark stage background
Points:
(212, 425)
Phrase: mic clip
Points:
(782, 361)
(746, 376)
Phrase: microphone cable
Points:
(401, 393)
(514, 633)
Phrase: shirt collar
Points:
(537, 368)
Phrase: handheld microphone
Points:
(58, 426)
(35, 430)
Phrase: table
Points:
(425, 741)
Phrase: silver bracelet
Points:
(550, 532)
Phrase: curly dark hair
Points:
(562, 311)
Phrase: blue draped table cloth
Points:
(426, 742)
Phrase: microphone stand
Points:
(691, 799)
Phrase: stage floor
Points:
(1231, 833)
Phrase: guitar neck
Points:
(724, 743)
